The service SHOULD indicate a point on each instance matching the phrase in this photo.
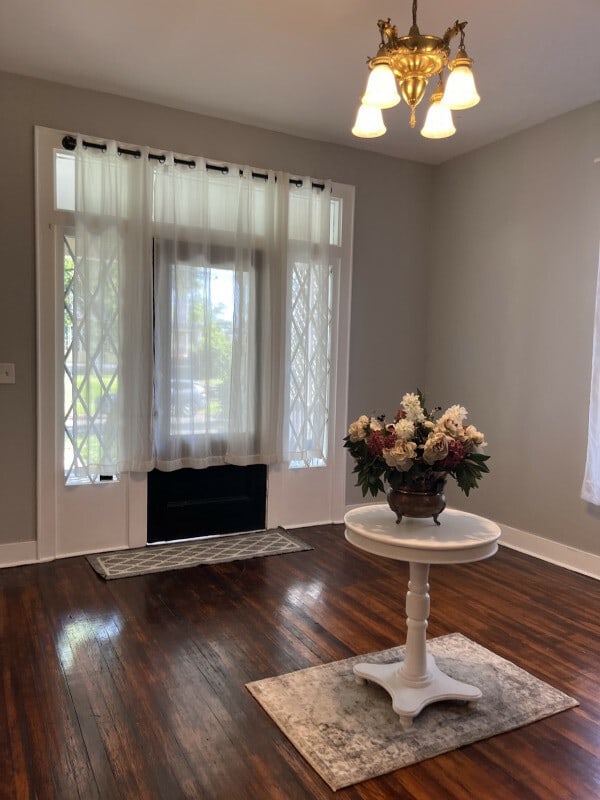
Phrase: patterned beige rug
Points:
(348, 733)
(215, 550)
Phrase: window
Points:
(90, 384)
(590, 489)
(215, 299)
(194, 303)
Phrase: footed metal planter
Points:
(421, 503)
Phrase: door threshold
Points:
(209, 536)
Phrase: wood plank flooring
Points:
(134, 688)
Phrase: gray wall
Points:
(389, 261)
(501, 322)
(511, 308)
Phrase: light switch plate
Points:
(7, 373)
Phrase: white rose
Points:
(375, 424)
(400, 456)
(456, 413)
(358, 430)
(475, 436)
(436, 448)
(448, 425)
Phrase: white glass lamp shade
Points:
(438, 122)
(460, 89)
(369, 123)
(381, 91)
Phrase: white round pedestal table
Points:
(460, 539)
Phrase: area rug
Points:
(214, 550)
(348, 732)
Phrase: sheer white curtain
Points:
(590, 490)
(201, 309)
(309, 308)
(219, 282)
(111, 359)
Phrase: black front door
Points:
(187, 503)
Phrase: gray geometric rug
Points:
(349, 733)
(215, 550)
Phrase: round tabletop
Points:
(459, 539)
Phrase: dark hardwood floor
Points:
(134, 688)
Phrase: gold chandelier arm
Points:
(388, 33)
(458, 27)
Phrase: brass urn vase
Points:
(421, 499)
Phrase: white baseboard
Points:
(298, 525)
(93, 551)
(18, 553)
(554, 552)
(368, 501)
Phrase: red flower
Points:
(400, 414)
(380, 439)
(456, 453)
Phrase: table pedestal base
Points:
(409, 697)
(416, 681)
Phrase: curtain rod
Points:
(70, 143)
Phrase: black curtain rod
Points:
(70, 143)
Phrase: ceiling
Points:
(300, 67)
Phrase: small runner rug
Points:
(349, 733)
(214, 550)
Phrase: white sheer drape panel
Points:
(200, 306)
(216, 252)
(309, 309)
(110, 364)
(590, 490)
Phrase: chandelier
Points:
(407, 63)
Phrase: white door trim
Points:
(295, 498)
(52, 541)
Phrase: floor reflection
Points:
(81, 635)
(304, 593)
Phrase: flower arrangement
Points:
(418, 450)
